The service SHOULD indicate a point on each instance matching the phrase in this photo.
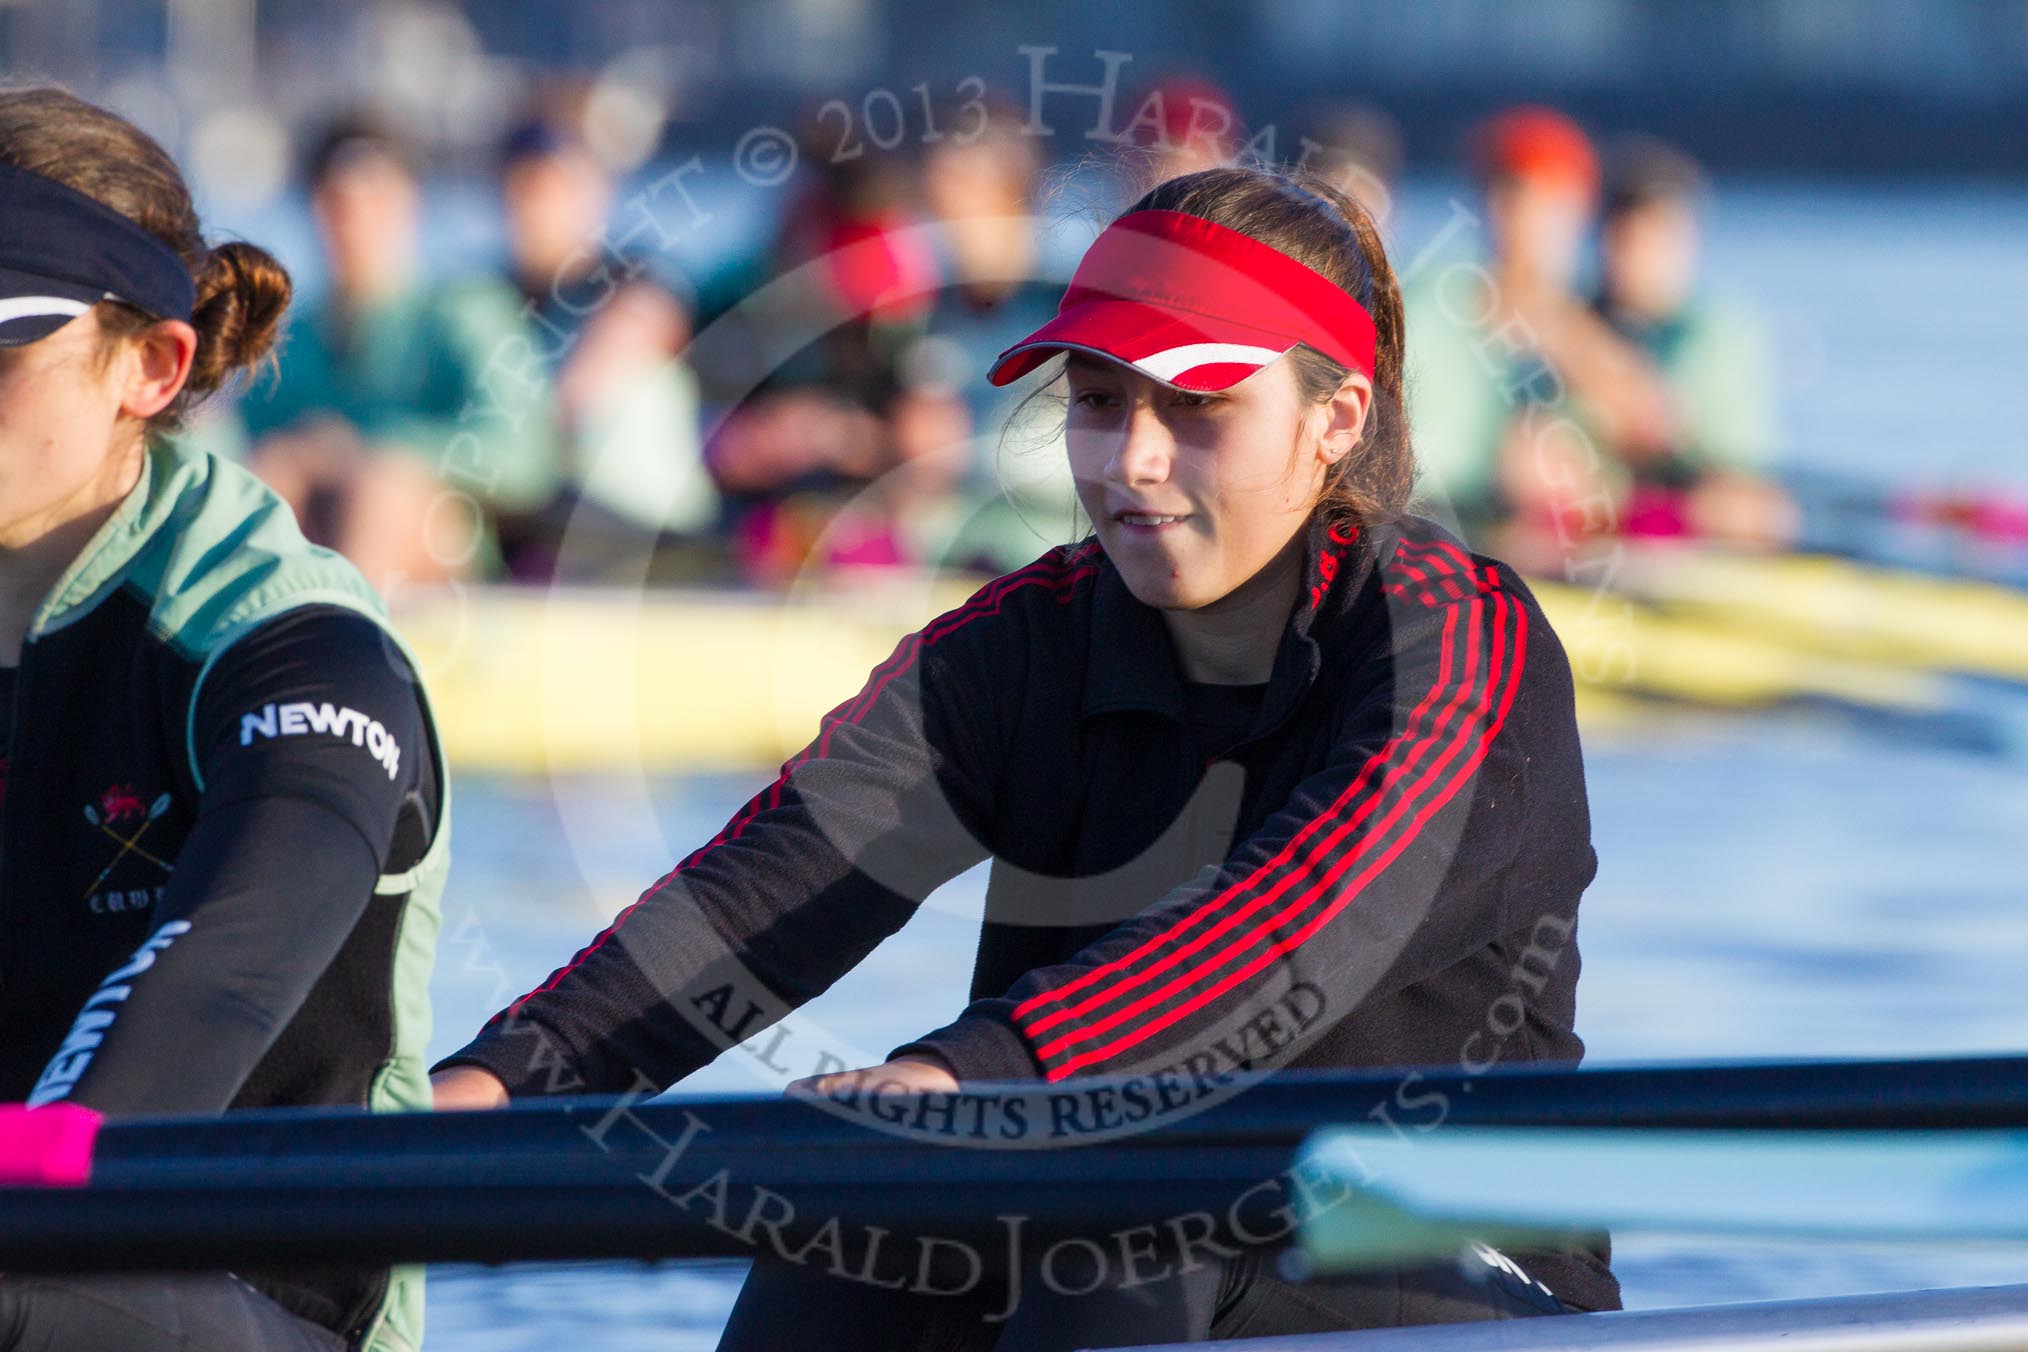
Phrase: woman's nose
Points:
(1145, 449)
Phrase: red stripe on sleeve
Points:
(1383, 762)
(1430, 805)
(1121, 964)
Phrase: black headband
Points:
(61, 252)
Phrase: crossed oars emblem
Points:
(128, 844)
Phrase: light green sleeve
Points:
(1723, 378)
(1456, 409)
(641, 453)
(504, 419)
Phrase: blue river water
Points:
(1769, 886)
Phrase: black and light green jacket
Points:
(223, 836)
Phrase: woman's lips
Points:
(1149, 523)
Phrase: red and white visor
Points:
(1195, 305)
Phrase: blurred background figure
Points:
(982, 191)
(610, 332)
(1517, 350)
(1702, 470)
(1181, 125)
(361, 430)
(804, 440)
(1356, 148)
(834, 446)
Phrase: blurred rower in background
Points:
(361, 431)
(1700, 471)
(1180, 125)
(981, 187)
(1566, 415)
(609, 333)
(1356, 148)
(1508, 339)
(807, 328)
(842, 434)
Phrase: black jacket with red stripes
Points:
(1386, 872)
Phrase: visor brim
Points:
(32, 307)
(1175, 347)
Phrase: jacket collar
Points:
(1131, 664)
(167, 469)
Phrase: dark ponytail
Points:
(1320, 227)
(242, 291)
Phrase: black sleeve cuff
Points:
(978, 1045)
(525, 1056)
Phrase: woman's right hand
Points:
(463, 1088)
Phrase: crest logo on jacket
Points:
(117, 807)
(121, 815)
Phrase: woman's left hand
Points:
(904, 1074)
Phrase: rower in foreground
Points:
(222, 808)
(1271, 774)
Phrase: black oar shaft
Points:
(617, 1179)
(1854, 1095)
(710, 1205)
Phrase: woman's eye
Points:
(1092, 399)
(1187, 399)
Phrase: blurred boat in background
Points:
(678, 679)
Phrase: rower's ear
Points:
(1345, 415)
(157, 365)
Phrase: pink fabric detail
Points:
(49, 1147)
(1657, 513)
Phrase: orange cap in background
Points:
(1533, 142)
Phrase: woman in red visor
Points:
(1271, 774)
